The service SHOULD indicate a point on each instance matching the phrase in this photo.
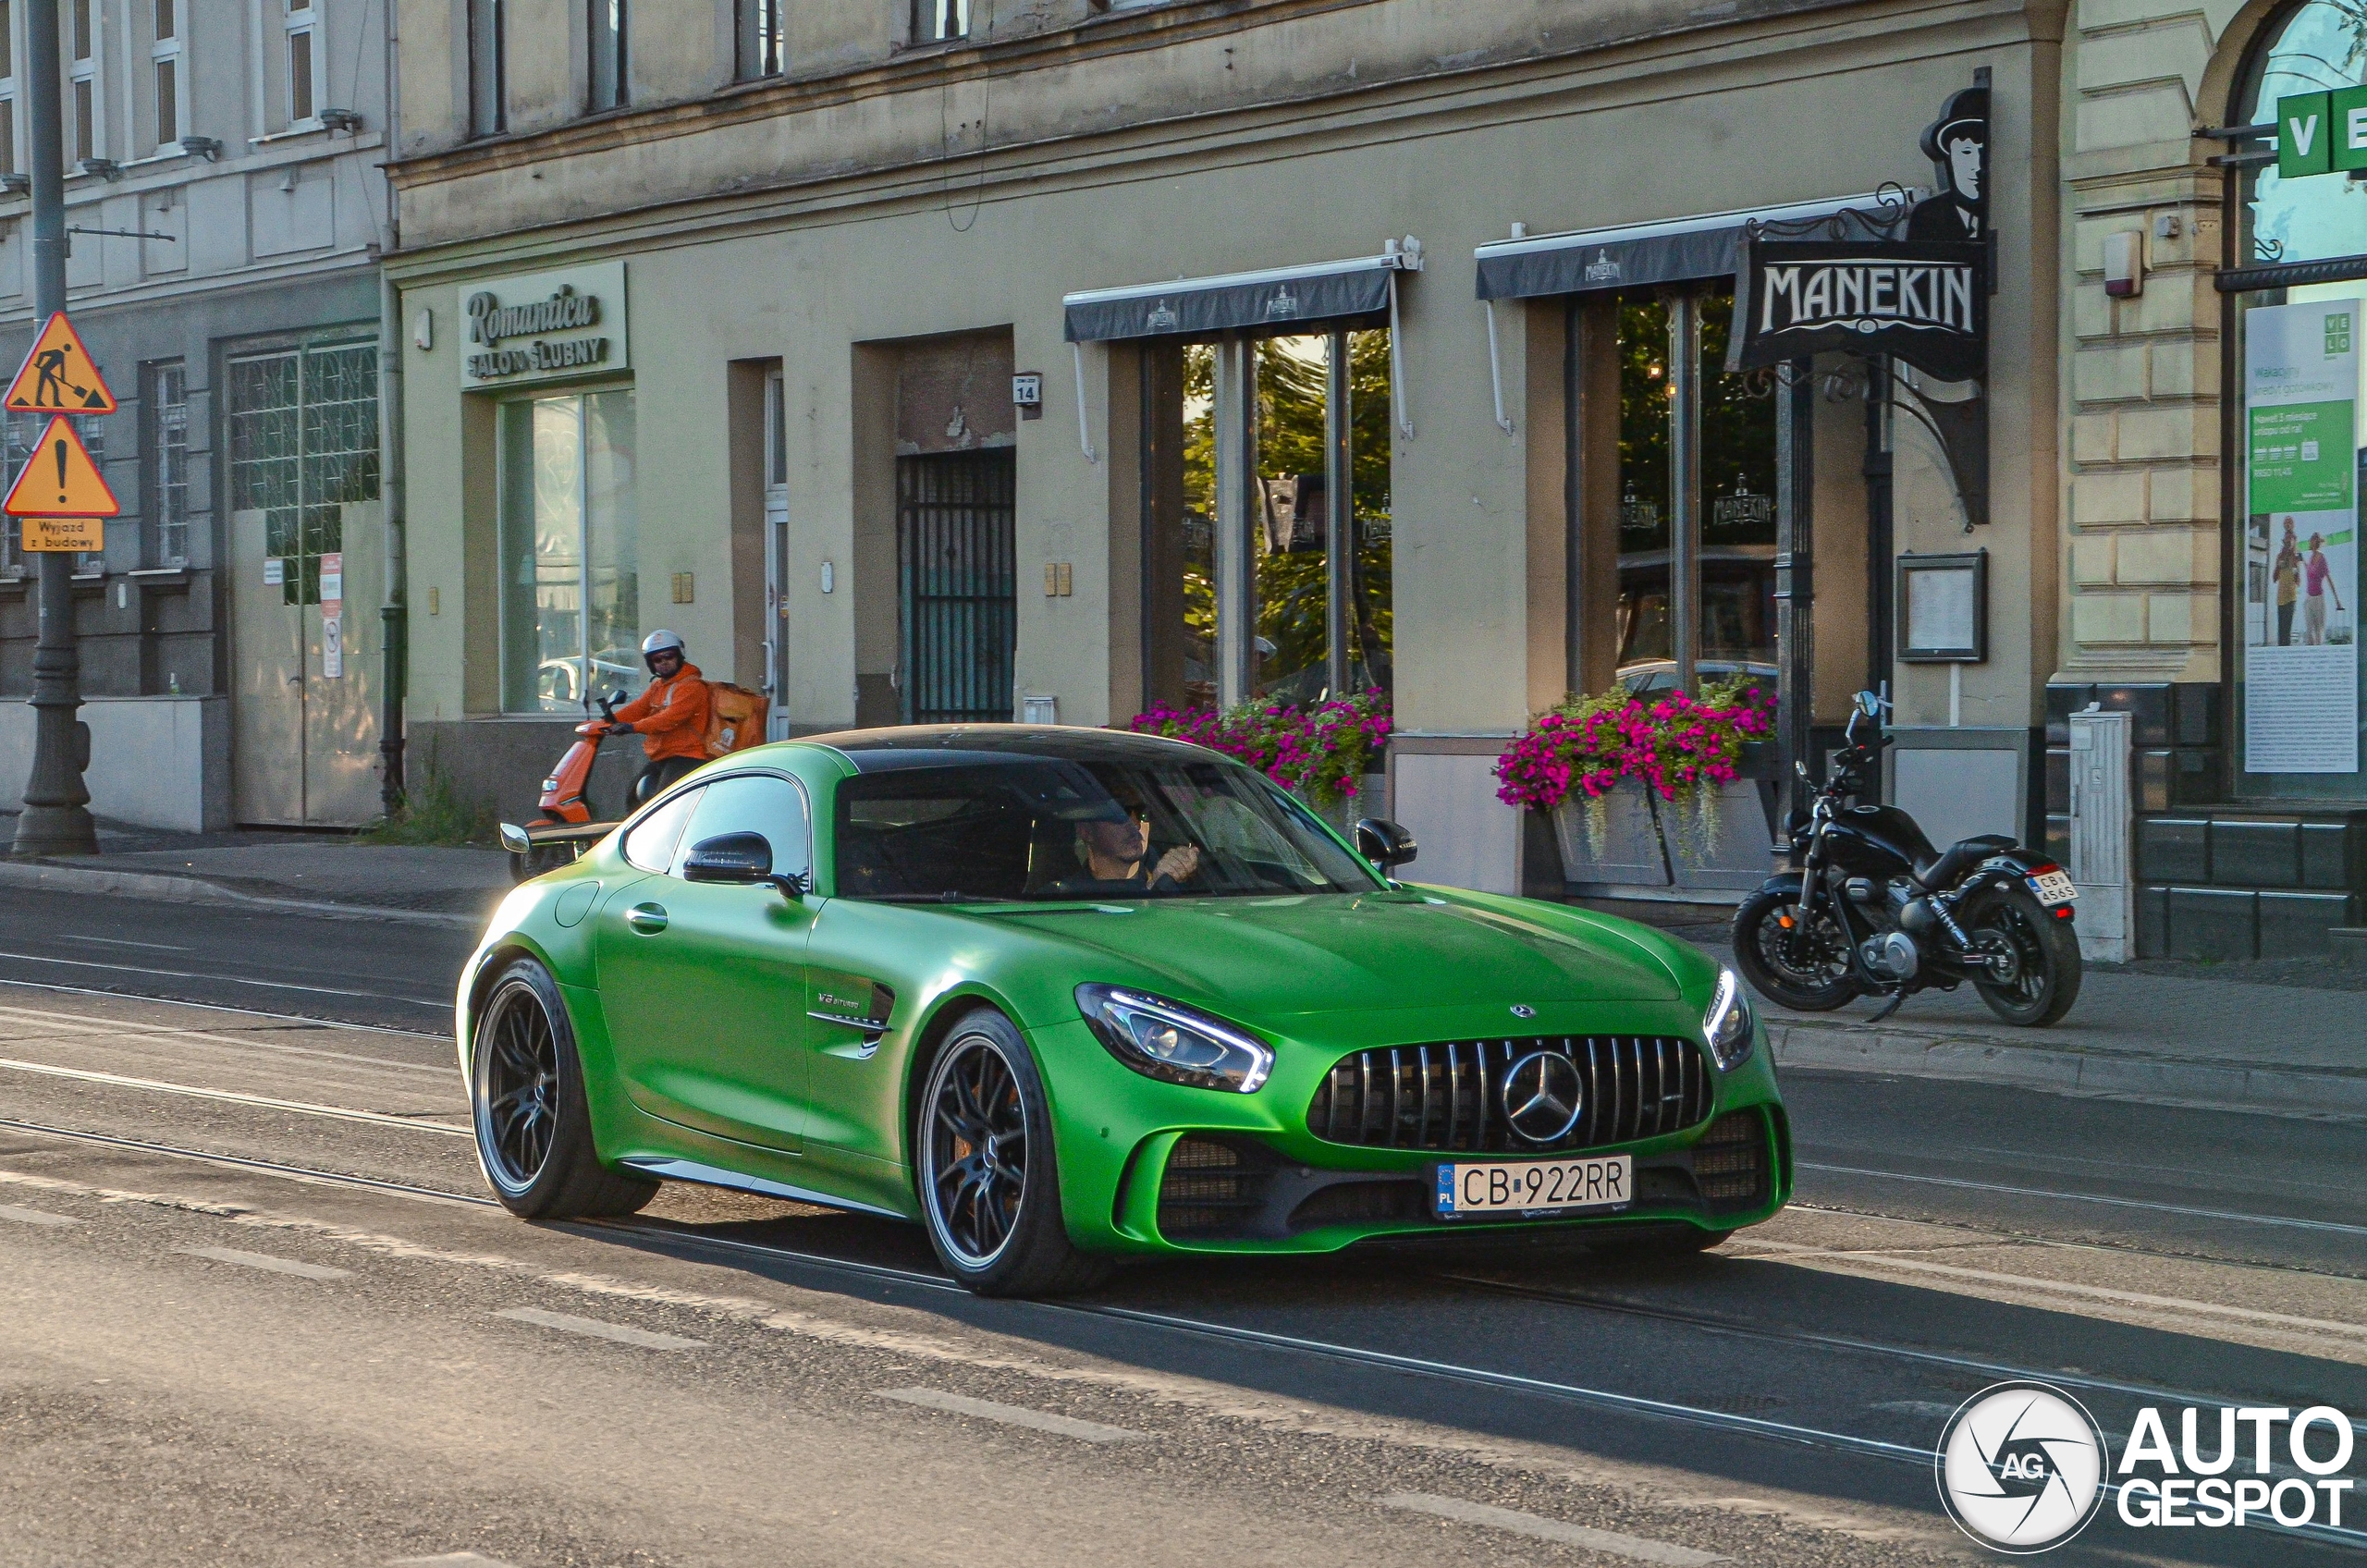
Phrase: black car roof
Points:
(935, 745)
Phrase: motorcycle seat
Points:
(1943, 870)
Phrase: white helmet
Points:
(662, 641)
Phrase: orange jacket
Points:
(671, 718)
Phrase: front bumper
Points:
(1148, 1166)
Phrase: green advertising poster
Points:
(2300, 660)
(2300, 457)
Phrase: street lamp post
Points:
(56, 818)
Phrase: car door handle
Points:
(648, 919)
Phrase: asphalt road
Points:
(255, 1309)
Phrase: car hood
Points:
(1279, 956)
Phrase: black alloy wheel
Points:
(989, 1185)
(1800, 959)
(2039, 976)
(533, 1125)
(518, 1098)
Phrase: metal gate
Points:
(958, 605)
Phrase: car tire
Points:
(989, 1178)
(526, 1101)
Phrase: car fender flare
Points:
(935, 1020)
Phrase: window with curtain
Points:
(761, 40)
(935, 22)
(571, 551)
(303, 83)
(83, 70)
(489, 86)
(607, 35)
(164, 64)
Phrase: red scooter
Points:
(566, 827)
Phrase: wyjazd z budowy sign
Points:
(544, 325)
(1924, 302)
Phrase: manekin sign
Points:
(541, 326)
(1914, 286)
(1925, 303)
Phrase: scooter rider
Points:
(671, 718)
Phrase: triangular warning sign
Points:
(58, 377)
(60, 480)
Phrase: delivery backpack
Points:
(735, 718)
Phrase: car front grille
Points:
(1450, 1097)
(1731, 1164)
(1211, 1188)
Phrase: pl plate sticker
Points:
(2021, 1467)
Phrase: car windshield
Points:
(1029, 827)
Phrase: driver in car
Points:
(1113, 843)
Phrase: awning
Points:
(1639, 254)
(1321, 291)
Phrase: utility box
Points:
(2102, 831)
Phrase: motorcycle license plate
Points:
(2054, 887)
(1537, 1186)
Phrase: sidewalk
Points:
(319, 873)
(2252, 1036)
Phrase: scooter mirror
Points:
(1869, 705)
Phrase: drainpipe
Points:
(394, 622)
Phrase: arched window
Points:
(2317, 45)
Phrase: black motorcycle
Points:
(1874, 909)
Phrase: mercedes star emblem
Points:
(1541, 1095)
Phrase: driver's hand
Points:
(1180, 865)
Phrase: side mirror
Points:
(742, 859)
(1871, 705)
(1385, 844)
(514, 839)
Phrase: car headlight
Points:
(1727, 1024)
(1164, 1039)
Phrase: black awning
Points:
(1273, 300)
(1679, 250)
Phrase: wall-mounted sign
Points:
(1924, 302)
(2321, 133)
(543, 325)
(1943, 609)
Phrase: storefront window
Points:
(571, 608)
(1731, 514)
(2298, 433)
(1298, 593)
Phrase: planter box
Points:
(1644, 847)
(1628, 850)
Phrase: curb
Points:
(2322, 1091)
(194, 890)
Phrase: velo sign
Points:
(58, 377)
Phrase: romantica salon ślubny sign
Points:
(539, 325)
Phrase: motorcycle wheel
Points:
(1804, 968)
(2047, 981)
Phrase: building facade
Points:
(916, 362)
(225, 210)
(2211, 572)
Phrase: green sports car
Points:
(1064, 995)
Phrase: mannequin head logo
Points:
(1957, 144)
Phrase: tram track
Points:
(675, 1240)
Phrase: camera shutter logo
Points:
(2021, 1467)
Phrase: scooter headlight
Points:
(1728, 1025)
